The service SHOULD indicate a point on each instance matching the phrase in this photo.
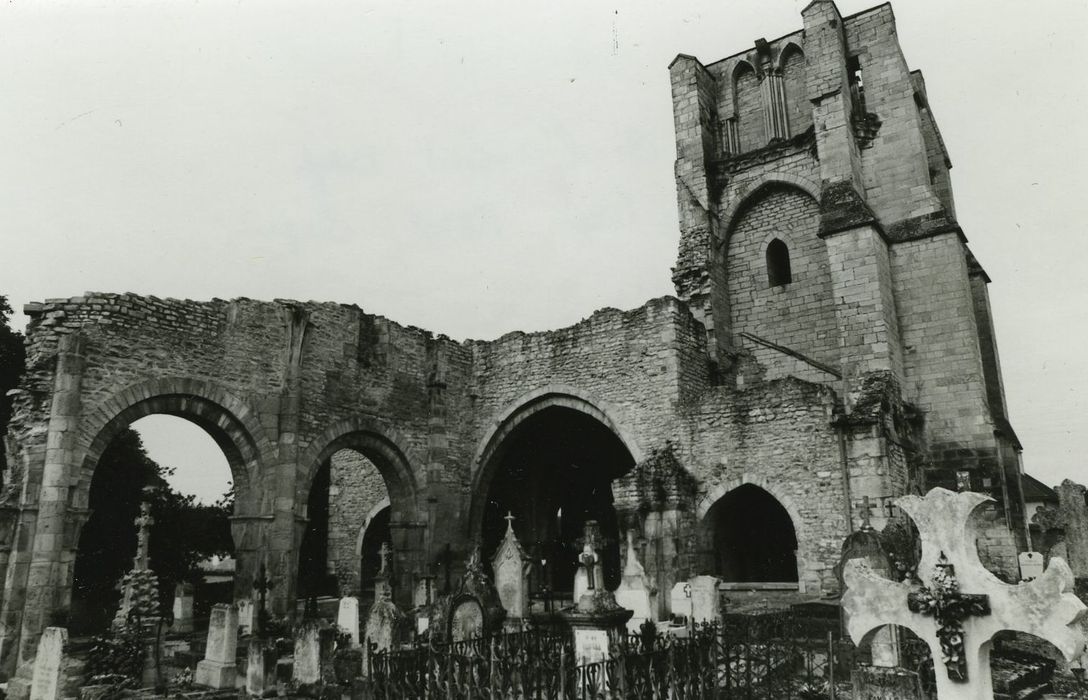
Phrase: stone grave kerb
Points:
(1045, 607)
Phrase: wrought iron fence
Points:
(775, 657)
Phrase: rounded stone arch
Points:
(228, 420)
(484, 463)
(378, 508)
(754, 191)
(375, 440)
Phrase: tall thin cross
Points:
(955, 625)
(384, 553)
(509, 518)
(143, 536)
(589, 559)
(262, 585)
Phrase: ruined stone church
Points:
(830, 346)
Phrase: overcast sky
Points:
(479, 167)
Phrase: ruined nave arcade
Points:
(589, 422)
(831, 346)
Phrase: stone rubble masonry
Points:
(872, 374)
(356, 493)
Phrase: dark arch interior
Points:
(778, 264)
(554, 473)
(753, 537)
(183, 535)
(314, 577)
(377, 532)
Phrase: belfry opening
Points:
(553, 473)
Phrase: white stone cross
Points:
(1045, 607)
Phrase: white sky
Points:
(479, 167)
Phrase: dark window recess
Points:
(778, 264)
(857, 86)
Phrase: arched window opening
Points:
(753, 538)
(748, 107)
(798, 108)
(778, 264)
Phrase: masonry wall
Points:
(799, 315)
(778, 436)
(356, 491)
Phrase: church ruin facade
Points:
(830, 344)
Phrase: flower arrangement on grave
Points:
(814, 691)
(117, 658)
(949, 607)
(183, 679)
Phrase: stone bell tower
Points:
(818, 237)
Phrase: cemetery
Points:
(794, 479)
(948, 630)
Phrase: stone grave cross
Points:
(384, 554)
(866, 513)
(959, 627)
(588, 559)
(143, 534)
(261, 585)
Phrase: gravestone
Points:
(347, 618)
(512, 566)
(964, 605)
(260, 667)
(864, 544)
(598, 622)
(680, 603)
(634, 589)
(307, 669)
(423, 599)
(46, 683)
(1031, 566)
(705, 599)
(219, 667)
(1073, 510)
(880, 683)
(247, 613)
(384, 617)
(592, 537)
(140, 586)
(466, 620)
(183, 608)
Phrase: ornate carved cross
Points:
(950, 609)
(1045, 607)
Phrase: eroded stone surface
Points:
(1044, 607)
